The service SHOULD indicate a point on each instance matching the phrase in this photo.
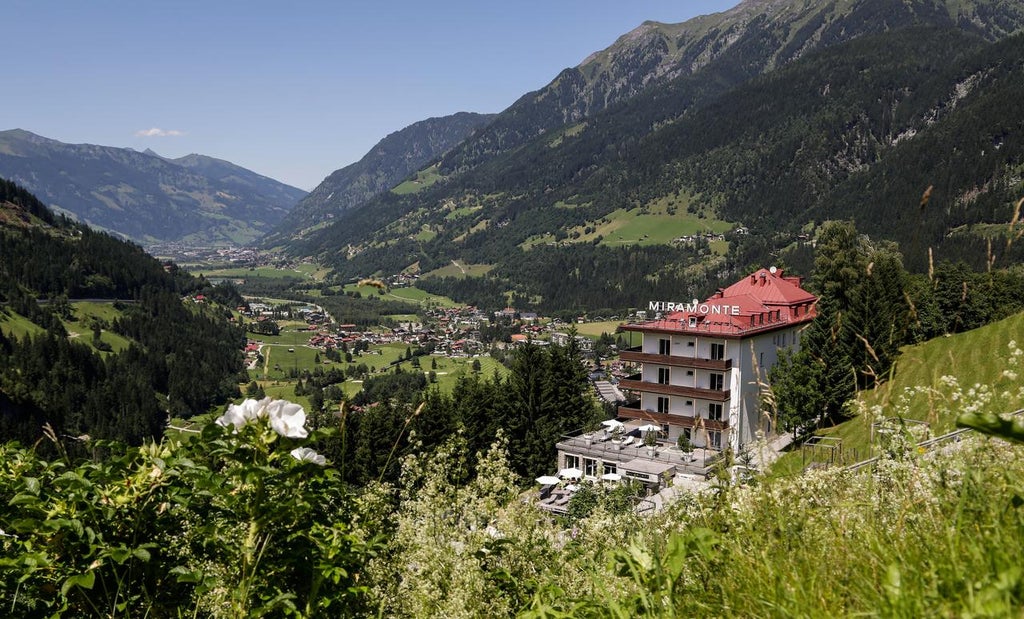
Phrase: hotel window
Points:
(664, 431)
(715, 439)
(688, 433)
(610, 467)
(717, 381)
(572, 462)
(589, 467)
(689, 402)
(693, 321)
(662, 404)
(663, 376)
(718, 351)
(715, 412)
(664, 347)
(690, 344)
(689, 372)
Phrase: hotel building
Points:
(703, 366)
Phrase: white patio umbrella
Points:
(611, 477)
(547, 480)
(570, 473)
(612, 424)
(650, 427)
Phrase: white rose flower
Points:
(305, 454)
(287, 418)
(238, 415)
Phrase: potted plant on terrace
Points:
(685, 446)
(651, 440)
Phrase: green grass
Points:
(595, 329)
(302, 271)
(460, 270)
(657, 223)
(410, 294)
(15, 325)
(424, 178)
(974, 357)
(12, 324)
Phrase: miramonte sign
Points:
(694, 307)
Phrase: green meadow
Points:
(918, 391)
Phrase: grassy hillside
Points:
(934, 382)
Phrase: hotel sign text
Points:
(695, 307)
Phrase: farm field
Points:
(459, 269)
(408, 293)
(301, 271)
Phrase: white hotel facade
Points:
(703, 366)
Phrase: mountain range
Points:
(148, 198)
(686, 152)
(389, 162)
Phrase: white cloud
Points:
(157, 132)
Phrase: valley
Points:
(723, 321)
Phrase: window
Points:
(663, 376)
(662, 404)
(718, 351)
(589, 467)
(664, 431)
(689, 402)
(715, 439)
(572, 462)
(689, 372)
(693, 321)
(610, 467)
(664, 347)
(715, 411)
(688, 433)
(690, 344)
(717, 381)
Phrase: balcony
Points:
(601, 447)
(634, 383)
(635, 355)
(635, 412)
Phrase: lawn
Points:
(975, 358)
(15, 325)
(595, 329)
(424, 178)
(459, 269)
(301, 271)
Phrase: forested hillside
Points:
(389, 162)
(178, 358)
(883, 101)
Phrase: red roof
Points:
(764, 301)
(771, 287)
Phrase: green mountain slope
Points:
(116, 371)
(866, 116)
(146, 197)
(391, 161)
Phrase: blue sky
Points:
(292, 90)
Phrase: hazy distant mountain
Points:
(146, 197)
(388, 163)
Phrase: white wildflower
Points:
(305, 454)
(287, 418)
(238, 415)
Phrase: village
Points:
(462, 334)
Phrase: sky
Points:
(292, 90)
